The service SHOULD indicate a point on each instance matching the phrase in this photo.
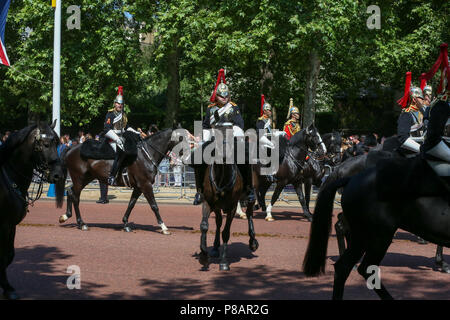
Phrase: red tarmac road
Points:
(146, 264)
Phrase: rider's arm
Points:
(404, 124)
(206, 120)
(237, 118)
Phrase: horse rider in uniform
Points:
(292, 126)
(229, 114)
(410, 126)
(116, 122)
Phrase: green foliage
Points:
(264, 46)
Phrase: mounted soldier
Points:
(410, 127)
(116, 123)
(436, 146)
(292, 125)
(222, 112)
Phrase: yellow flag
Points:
(53, 3)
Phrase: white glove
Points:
(279, 133)
(238, 132)
(132, 130)
(114, 137)
(411, 145)
(206, 135)
(266, 142)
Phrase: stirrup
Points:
(198, 199)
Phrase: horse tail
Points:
(314, 262)
(61, 183)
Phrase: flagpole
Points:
(57, 67)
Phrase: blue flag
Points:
(4, 7)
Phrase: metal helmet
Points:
(267, 106)
(416, 92)
(427, 90)
(222, 90)
(119, 99)
(292, 110)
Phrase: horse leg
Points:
(68, 213)
(261, 194)
(343, 267)
(439, 260)
(148, 193)
(374, 254)
(7, 236)
(340, 234)
(275, 196)
(134, 197)
(224, 265)
(204, 225)
(301, 198)
(76, 204)
(253, 243)
(215, 251)
(308, 184)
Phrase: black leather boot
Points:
(115, 168)
(199, 178)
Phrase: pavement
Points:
(173, 195)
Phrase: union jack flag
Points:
(4, 6)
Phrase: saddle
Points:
(408, 178)
(101, 150)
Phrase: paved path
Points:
(146, 264)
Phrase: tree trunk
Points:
(173, 88)
(312, 76)
(266, 84)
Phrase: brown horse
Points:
(141, 175)
(223, 189)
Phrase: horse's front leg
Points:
(224, 264)
(134, 197)
(68, 213)
(275, 196)
(253, 243)
(204, 226)
(147, 190)
(76, 204)
(215, 251)
(439, 260)
(301, 198)
(7, 235)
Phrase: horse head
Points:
(44, 141)
(314, 140)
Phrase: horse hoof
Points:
(308, 216)
(269, 219)
(224, 267)
(166, 232)
(84, 228)
(63, 218)
(243, 216)
(127, 229)
(204, 260)
(256, 207)
(443, 267)
(214, 253)
(254, 245)
(11, 295)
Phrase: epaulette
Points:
(111, 110)
(261, 118)
(233, 104)
(212, 105)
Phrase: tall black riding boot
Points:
(199, 178)
(115, 167)
(246, 171)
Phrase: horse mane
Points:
(156, 134)
(14, 140)
(298, 137)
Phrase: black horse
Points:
(141, 175)
(223, 189)
(333, 143)
(397, 193)
(32, 148)
(296, 168)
